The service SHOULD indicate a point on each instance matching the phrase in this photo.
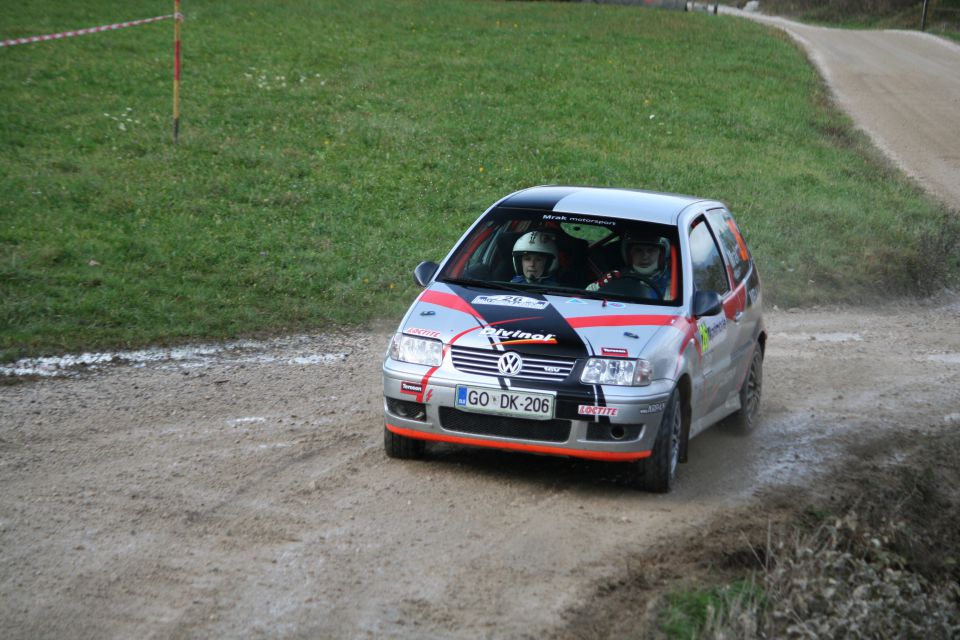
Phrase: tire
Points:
(745, 419)
(402, 447)
(657, 473)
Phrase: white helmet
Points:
(536, 242)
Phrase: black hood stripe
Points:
(536, 321)
(545, 198)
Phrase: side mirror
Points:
(424, 273)
(706, 303)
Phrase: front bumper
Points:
(420, 403)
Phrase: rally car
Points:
(597, 323)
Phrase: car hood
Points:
(549, 325)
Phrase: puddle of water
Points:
(322, 358)
(237, 421)
(947, 358)
(822, 337)
(189, 357)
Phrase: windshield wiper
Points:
(616, 297)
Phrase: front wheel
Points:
(657, 473)
(398, 446)
(745, 420)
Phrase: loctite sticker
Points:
(426, 333)
(592, 410)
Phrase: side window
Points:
(709, 271)
(734, 247)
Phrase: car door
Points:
(717, 334)
(741, 306)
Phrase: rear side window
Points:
(709, 271)
(732, 242)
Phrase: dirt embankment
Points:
(245, 492)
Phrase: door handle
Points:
(737, 316)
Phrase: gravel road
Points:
(901, 87)
(242, 491)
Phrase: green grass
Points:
(687, 614)
(327, 147)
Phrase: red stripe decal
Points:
(735, 301)
(454, 339)
(674, 277)
(450, 301)
(607, 456)
(622, 321)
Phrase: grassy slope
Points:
(327, 147)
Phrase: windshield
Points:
(570, 254)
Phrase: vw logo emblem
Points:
(510, 363)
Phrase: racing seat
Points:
(573, 270)
(502, 267)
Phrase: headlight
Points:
(416, 350)
(626, 373)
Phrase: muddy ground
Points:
(243, 491)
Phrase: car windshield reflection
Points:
(596, 257)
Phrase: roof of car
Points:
(632, 204)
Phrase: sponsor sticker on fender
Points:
(413, 388)
(593, 410)
(653, 408)
(426, 333)
(616, 352)
(512, 301)
(711, 332)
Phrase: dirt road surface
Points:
(246, 493)
(901, 87)
(242, 491)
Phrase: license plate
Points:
(518, 404)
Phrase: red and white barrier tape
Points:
(83, 32)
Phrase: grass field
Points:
(327, 147)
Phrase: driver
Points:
(645, 259)
(535, 258)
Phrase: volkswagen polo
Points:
(597, 323)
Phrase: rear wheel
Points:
(657, 473)
(745, 420)
(398, 446)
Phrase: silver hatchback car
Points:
(607, 324)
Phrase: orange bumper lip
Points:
(606, 456)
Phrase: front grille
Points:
(535, 367)
(481, 424)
